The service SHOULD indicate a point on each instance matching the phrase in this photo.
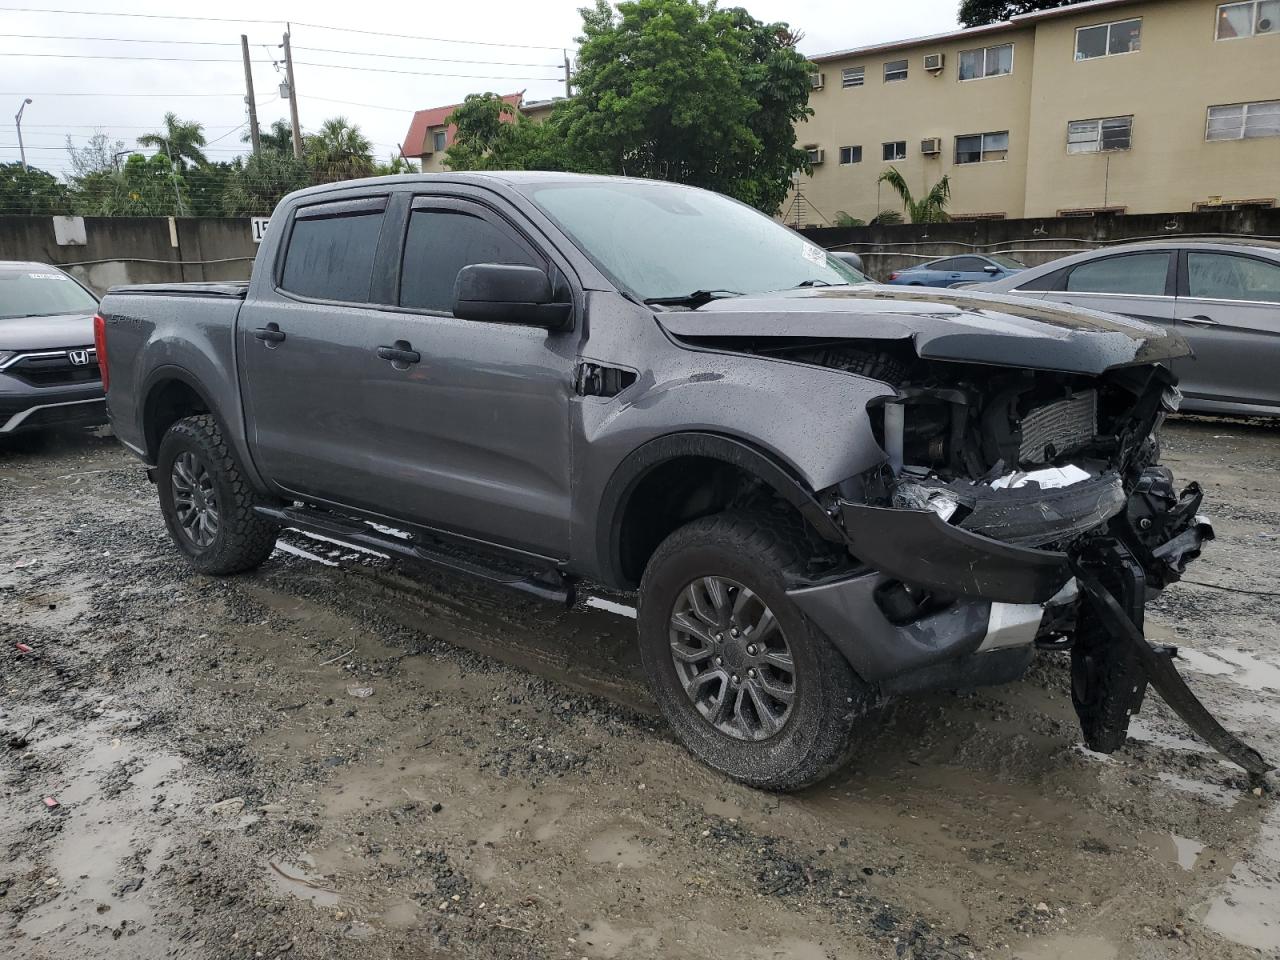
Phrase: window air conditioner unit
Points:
(931, 146)
(817, 156)
(817, 80)
(933, 61)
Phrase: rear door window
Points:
(441, 241)
(1136, 274)
(331, 250)
(1222, 276)
(967, 265)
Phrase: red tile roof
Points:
(415, 141)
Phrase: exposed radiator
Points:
(1059, 428)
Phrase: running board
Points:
(552, 586)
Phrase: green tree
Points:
(143, 187)
(206, 186)
(491, 135)
(31, 192)
(395, 164)
(182, 141)
(682, 90)
(339, 151)
(931, 208)
(99, 154)
(277, 138)
(977, 13)
(257, 184)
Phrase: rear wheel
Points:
(749, 686)
(207, 503)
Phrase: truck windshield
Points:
(41, 292)
(663, 241)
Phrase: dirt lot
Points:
(339, 757)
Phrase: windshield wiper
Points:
(817, 283)
(692, 300)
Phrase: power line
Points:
(300, 23)
(35, 93)
(112, 56)
(352, 103)
(221, 43)
(415, 73)
(412, 56)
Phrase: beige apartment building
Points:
(1119, 106)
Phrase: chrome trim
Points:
(16, 420)
(1094, 293)
(64, 352)
(1011, 625)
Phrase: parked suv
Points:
(824, 491)
(48, 364)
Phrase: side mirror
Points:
(991, 268)
(507, 293)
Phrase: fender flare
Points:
(172, 371)
(637, 465)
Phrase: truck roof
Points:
(486, 177)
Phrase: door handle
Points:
(269, 334)
(402, 352)
(1200, 321)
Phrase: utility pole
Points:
(293, 98)
(254, 134)
(568, 86)
(17, 119)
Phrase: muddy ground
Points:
(339, 757)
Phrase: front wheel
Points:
(749, 686)
(207, 503)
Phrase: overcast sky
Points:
(75, 94)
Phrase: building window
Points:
(1109, 39)
(1244, 121)
(1251, 19)
(1217, 206)
(982, 147)
(897, 150)
(1099, 136)
(895, 70)
(853, 76)
(850, 155)
(439, 140)
(988, 62)
(1092, 212)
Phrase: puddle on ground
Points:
(1247, 908)
(1185, 851)
(1139, 729)
(289, 878)
(618, 847)
(1212, 792)
(1067, 947)
(1237, 666)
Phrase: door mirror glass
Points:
(508, 293)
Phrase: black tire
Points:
(764, 552)
(242, 539)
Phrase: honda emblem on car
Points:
(78, 357)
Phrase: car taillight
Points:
(100, 345)
(894, 275)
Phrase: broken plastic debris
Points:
(51, 802)
(22, 648)
(355, 691)
(1049, 478)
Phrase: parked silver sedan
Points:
(1222, 296)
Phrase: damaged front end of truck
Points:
(1019, 501)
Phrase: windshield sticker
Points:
(47, 276)
(814, 254)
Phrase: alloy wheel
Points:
(732, 658)
(195, 499)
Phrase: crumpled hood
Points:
(942, 324)
(47, 333)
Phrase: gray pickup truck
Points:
(826, 492)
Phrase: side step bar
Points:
(552, 587)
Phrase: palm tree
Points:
(180, 141)
(278, 138)
(339, 151)
(928, 209)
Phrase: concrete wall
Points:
(889, 248)
(136, 249)
(1167, 86)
